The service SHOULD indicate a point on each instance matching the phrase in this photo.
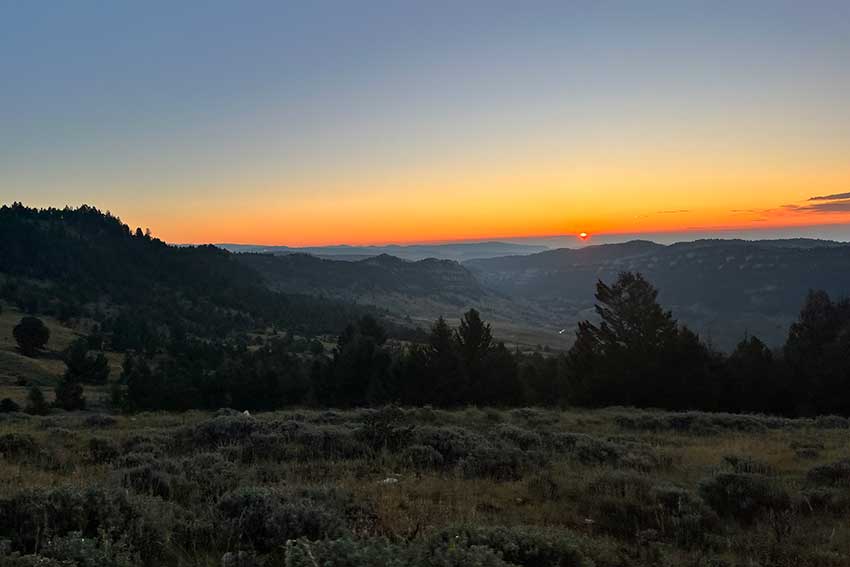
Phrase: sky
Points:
(310, 123)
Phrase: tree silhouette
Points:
(69, 393)
(636, 355)
(84, 367)
(31, 334)
(36, 404)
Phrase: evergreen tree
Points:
(445, 383)
(818, 355)
(637, 355)
(69, 393)
(31, 335)
(84, 367)
(36, 404)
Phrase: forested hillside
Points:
(82, 263)
(722, 288)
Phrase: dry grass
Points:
(563, 491)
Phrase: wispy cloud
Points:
(673, 212)
(834, 197)
(829, 207)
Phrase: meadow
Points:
(421, 486)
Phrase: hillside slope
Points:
(724, 288)
(82, 263)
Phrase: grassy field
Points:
(401, 487)
(17, 371)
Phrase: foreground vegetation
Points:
(410, 487)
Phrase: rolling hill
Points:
(723, 288)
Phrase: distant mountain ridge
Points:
(458, 251)
(304, 273)
(724, 288)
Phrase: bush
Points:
(747, 465)
(31, 335)
(836, 474)
(590, 450)
(145, 474)
(453, 443)
(520, 437)
(743, 496)
(102, 450)
(223, 430)
(83, 551)
(347, 552)
(99, 420)
(500, 464)
(17, 445)
(36, 404)
(626, 504)
(30, 514)
(208, 475)
(422, 457)
(531, 546)
(832, 422)
(328, 443)
(7, 405)
(263, 519)
(384, 429)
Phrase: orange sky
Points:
(378, 122)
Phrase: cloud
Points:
(830, 207)
(673, 212)
(835, 197)
(815, 206)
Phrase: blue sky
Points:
(401, 121)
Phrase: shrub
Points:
(699, 423)
(836, 474)
(102, 450)
(143, 444)
(743, 496)
(223, 430)
(384, 429)
(590, 450)
(31, 335)
(209, 475)
(263, 519)
(531, 546)
(145, 474)
(453, 443)
(496, 463)
(347, 552)
(422, 457)
(826, 499)
(747, 465)
(261, 447)
(99, 420)
(30, 514)
(36, 404)
(832, 422)
(17, 445)
(328, 443)
(520, 437)
(83, 551)
(69, 393)
(627, 504)
(7, 405)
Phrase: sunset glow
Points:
(394, 123)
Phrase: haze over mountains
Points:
(724, 289)
(454, 251)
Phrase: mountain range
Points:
(724, 289)
(82, 263)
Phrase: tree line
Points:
(634, 354)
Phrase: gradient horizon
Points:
(398, 122)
